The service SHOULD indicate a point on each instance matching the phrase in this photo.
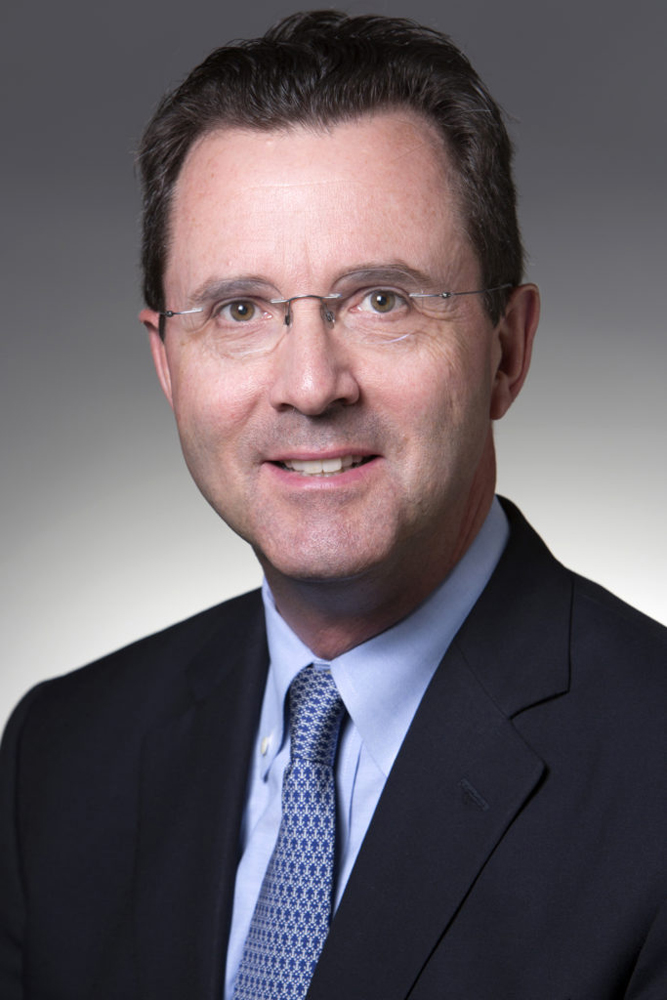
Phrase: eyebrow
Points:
(221, 288)
(398, 273)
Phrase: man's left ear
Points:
(514, 333)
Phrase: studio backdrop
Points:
(105, 536)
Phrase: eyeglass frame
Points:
(328, 315)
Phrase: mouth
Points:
(324, 466)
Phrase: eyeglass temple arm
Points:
(450, 295)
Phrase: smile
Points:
(324, 466)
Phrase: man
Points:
(469, 739)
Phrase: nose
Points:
(314, 368)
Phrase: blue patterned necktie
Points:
(291, 918)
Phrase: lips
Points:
(324, 466)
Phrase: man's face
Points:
(298, 212)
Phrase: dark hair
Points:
(323, 67)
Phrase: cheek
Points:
(212, 404)
(445, 416)
(450, 389)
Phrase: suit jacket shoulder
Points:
(520, 846)
(116, 779)
(150, 671)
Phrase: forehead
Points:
(308, 201)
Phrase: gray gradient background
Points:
(105, 537)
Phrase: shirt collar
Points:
(382, 681)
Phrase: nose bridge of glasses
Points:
(328, 313)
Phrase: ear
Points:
(151, 321)
(515, 333)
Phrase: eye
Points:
(383, 302)
(241, 310)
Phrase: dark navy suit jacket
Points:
(518, 852)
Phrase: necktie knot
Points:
(316, 711)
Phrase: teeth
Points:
(322, 467)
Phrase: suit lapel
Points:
(194, 775)
(461, 777)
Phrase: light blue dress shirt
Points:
(381, 682)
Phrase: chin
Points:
(323, 560)
(330, 568)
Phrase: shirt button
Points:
(264, 746)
